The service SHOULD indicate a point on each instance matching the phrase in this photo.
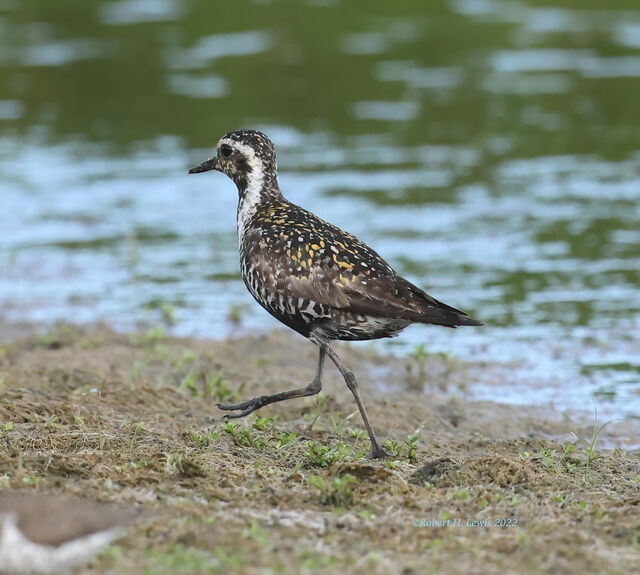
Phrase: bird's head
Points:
(248, 157)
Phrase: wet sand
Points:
(475, 487)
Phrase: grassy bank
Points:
(131, 419)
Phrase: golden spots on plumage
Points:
(315, 247)
(343, 264)
(321, 243)
(343, 247)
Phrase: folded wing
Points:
(354, 279)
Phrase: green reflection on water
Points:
(79, 77)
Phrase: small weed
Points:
(219, 388)
(416, 378)
(58, 336)
(459, 495)
(30, 480)
(591, 455)
(213, 386)
(357, 434)
(311, 560)
(408, 448)
(53, 421)
(153, 335)
(263, 423)
(185, 358)
(559, 498)
(411, 447)
(236, 313)
(258, 533)
(178, 559)
(202, 440)
(241, 435)
(285, 439)
(514, 500)
(137, 370)
(322, 405)
(111, 553)
(190, 383)
(138, 427)
(336, 491)
(233, 560)
(231, 428)
(546, 456)
(393, 447)
(166, 308)
(168, 311)
(419, 352)
(324, 456)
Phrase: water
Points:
(490, 150)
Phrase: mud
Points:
(474, 487)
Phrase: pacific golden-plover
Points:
(315, 278)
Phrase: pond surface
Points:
(490, 150)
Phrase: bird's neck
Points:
(260, 186)
(256, 191)
(256, 182)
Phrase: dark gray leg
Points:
(249, 406)
(376, 449)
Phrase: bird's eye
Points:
(226, 150)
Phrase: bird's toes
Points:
(244, 408)
(379, 452)
(243, 413)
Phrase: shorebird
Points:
(42, 534)
(315, 278)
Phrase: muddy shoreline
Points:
(130, 419)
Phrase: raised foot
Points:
(244, 407)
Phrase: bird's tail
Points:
(445, 315)
(438, 313)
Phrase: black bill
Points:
(206, 166)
